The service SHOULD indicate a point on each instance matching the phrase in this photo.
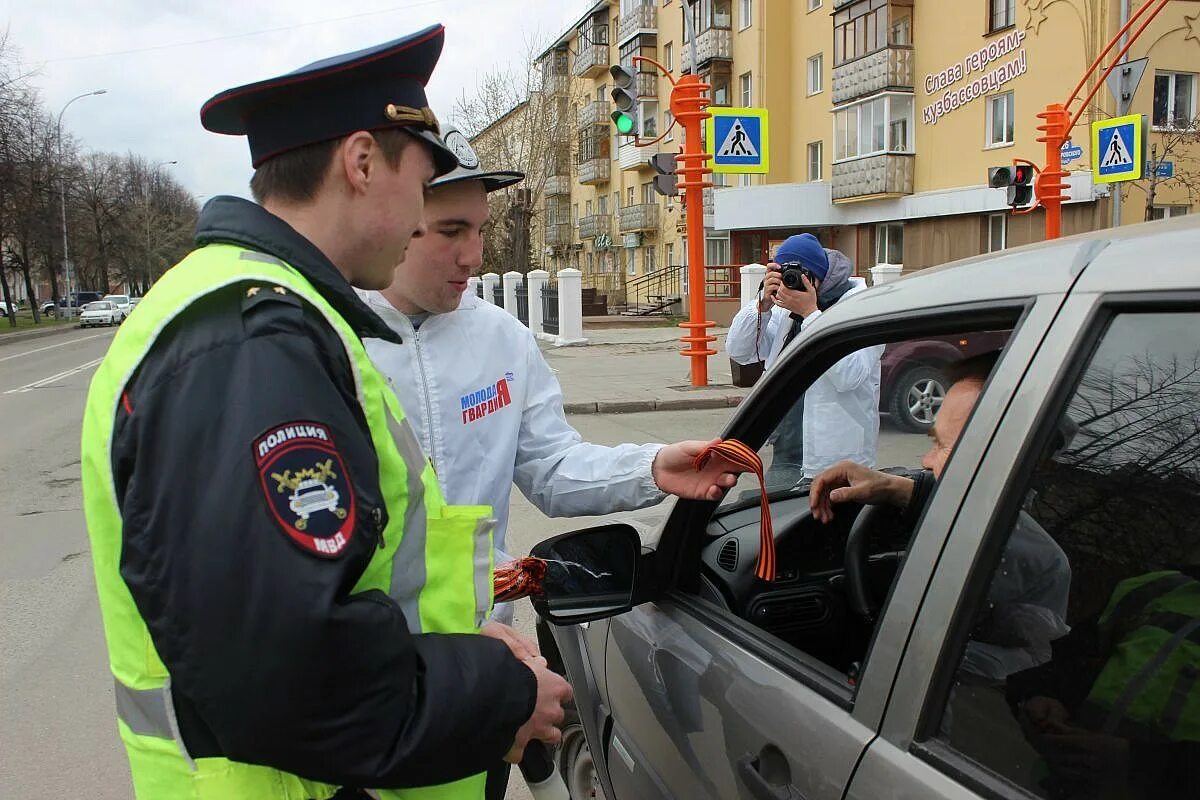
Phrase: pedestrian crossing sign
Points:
(1117, 149)
(737, 140)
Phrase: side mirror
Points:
(590, 574)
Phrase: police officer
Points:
(288, 601)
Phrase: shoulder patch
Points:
(306, 486)
(255, 295)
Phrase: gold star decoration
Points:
(253, 290)
(1037, 15)
(279, 290)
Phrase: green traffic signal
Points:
(624, 122)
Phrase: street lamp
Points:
(62, 189)
(146, 203)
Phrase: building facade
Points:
(884, 114)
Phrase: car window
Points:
(875, 406)
(1080, 674)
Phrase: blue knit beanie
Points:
(806, 250)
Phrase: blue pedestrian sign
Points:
(1117, 149)
(737, 140)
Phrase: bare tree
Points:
(519, 121)
(1179, 146)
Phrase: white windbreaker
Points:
(841, 408)
(489, 413)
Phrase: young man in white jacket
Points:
(480, 395)
(841, 407)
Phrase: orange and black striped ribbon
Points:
(521, 578)
(748, 460)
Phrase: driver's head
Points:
(966, 383)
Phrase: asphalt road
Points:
(57, 726)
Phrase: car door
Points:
(718, 698)
(1097, 456)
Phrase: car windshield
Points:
(118, 298)
(99, 305)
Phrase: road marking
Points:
(52, 346)
(47, 381)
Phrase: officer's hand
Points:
(674, 471)
(552, 693)
(848, 482)
(771, 284)
(522, 648)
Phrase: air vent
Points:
(728, 557)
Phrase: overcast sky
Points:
(161, 59)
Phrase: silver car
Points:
(1032, 630)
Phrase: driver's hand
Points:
(849, 482)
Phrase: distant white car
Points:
(120, 303)
(4, 309)
(100, 312)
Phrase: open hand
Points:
(675, 472)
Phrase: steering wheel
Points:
(858, 594)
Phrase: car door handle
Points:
(748, 771)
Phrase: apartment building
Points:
(885, 115)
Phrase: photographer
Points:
(841, 408)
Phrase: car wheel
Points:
(575, 762)
(916, 398)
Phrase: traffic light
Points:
(1016, 179)
(625, 104)
(665, 180)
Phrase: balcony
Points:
(643, 17)
(592, 59)
(714, 43)
(632, 157)
(873, 176)
(646, 84)
(890, 68)
(557, 185)
(643, 217)
(593, 113)
(559, 234)
(595, 170)
(555, 74)
(595, 225)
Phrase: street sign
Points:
(1124, 79)
(737, 140)
(1165, 169)
(1070, 152)
(1117, 153)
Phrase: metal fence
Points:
(550, 307)
(479, 290)
(498, 294)
(523, 306)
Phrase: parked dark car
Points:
(79, 299)
(911, 382)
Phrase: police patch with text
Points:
(306, 485)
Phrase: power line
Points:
(245, 35)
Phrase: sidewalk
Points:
(622, 370)
(25, 335)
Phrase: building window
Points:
(602, 204)
(709, 14)
(816, 65)
(1166, 212)
(649, 115)
(587, 208)
(889, 243)
(997, 232)
(862, 28)
(646, 45)
(744, 12)
(747, 88)
(649, 196)
(631, 260)
(744, 179)
(883, 124)
(1000, 120)
(1001, 14)
(670, 254)
(1174, 100)
(602, 93)
(815, 157)
(716, 250)
(629, 196)
(669, 56)
(813, 5)
(648, 259)
(668, 121)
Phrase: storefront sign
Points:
(939, 86)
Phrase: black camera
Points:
(791, 273)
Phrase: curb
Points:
(24, 336)
(640, 406)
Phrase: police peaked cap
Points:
(374, 89)
(468, 167)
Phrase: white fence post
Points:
(570, 307)
(473, 285)
(534, 282)
(752, 276)
(490, 279)
(512, 282)
(885, 273)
